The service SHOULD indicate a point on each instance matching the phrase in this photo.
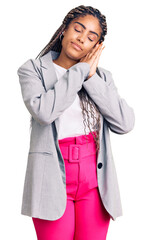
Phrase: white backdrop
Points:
(26, 27)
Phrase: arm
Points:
(118, 114)
(46, 106)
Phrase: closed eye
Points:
(76, 30)
(80, 31)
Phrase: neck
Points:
(64, 61)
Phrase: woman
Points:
(71, 189)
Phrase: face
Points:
(83, 31)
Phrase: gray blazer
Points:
(46, 97)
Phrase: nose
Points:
(82, 37)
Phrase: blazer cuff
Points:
(85, 68)
(95, 81)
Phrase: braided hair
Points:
(55, 45)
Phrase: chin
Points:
(74, 55)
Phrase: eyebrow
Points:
(85, 28)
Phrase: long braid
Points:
(55, 45)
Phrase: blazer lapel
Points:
(49, 74)
(48, 70)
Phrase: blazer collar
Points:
(47, 59)
(48, 69)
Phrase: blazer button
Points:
(100, 165)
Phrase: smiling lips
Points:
(76, 46)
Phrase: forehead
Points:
(90, 22)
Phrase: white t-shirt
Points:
(71, 120)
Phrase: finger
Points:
(98, 46)
(93, 54)
(101, 49)
(96, 60)
(95, 51)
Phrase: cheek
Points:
(70, 35)
(89, 47)
(66, 40)
(89, 50)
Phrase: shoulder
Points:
(30, 65)
(104, 71)
(105, 74)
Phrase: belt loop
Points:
(74, 152)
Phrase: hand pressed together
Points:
(92, 58)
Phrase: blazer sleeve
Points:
(46, 106)
(118, 114)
